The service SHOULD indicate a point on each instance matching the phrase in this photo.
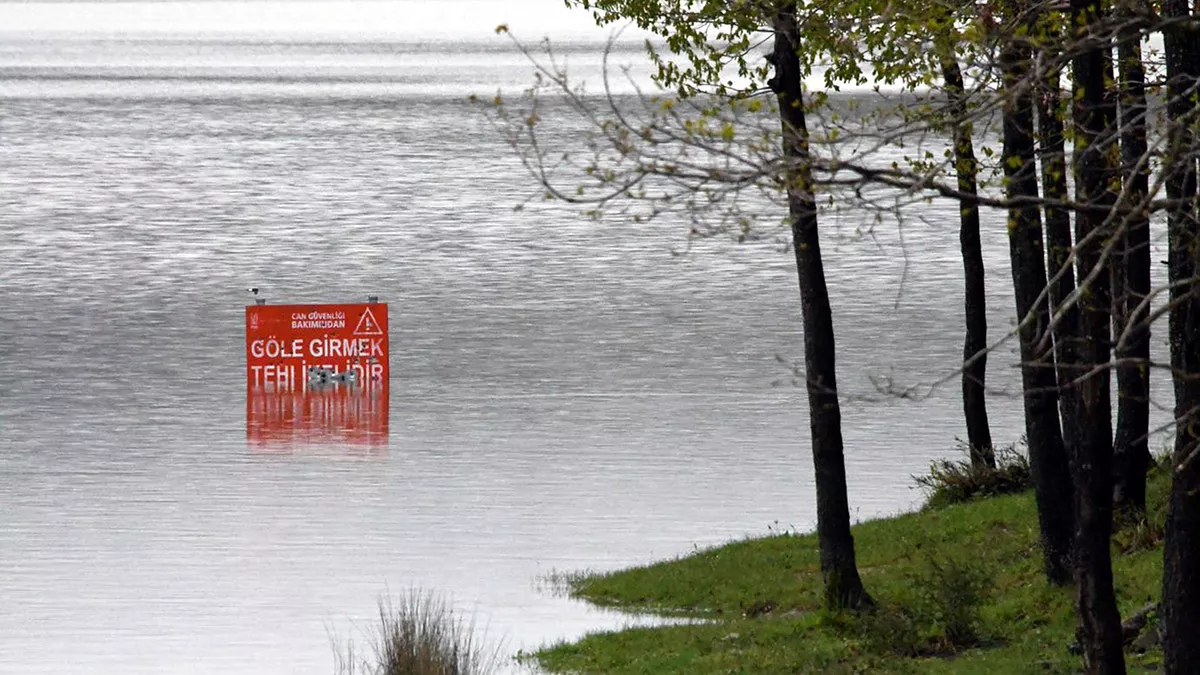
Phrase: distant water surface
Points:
(565, 394)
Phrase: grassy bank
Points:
(959, 588)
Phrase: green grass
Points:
(760, 601)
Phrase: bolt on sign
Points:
(300, 347)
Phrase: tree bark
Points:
(1131, 452)
(1048, 462)
(1088, 425)
(979, 434)
(1181, 549)
(843, 586)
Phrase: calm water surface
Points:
(564, 395)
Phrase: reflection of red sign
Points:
(317, 373)
(283, 342)
(341, 415)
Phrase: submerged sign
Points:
(286, 345)
(317, 374)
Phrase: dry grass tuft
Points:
(419, 634)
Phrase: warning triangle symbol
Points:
(367, 325)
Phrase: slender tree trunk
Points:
(1047, 459)
(1062, 284)
(1181, 550)
(843, 587)
(1088, 428)
(1053, 158)
(979, 433)
(1131, 452)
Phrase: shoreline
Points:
(758, 600)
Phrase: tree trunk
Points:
(843, 587)
(1054, 187)
(979, 434)
(1059, 243)
(1181, 550)
(1047, 460)
(1088, 428)
(1131, 452)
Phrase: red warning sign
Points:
(301, 347)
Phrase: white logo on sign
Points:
(367, 325)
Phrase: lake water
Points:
(565, 394)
